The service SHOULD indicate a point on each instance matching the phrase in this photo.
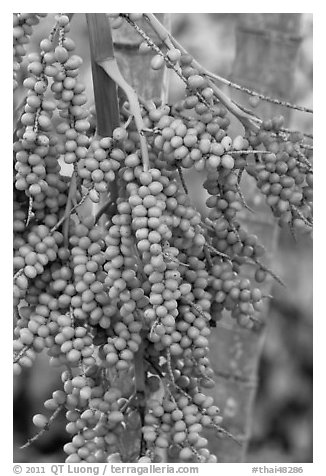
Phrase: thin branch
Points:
(307, 146)
(43, 430)
(71, 194)
(228, 434)
(174, 259)
(291, 131)
(20, 354)
(248, 152)
(242, 198)
(243, 117)
(128, 402)
(233, 85)
(196, 308)
(268, 270)
(18, 273)
(169, 366)
(64, 217)
(30, 211)
(300, 215)
(216, 252)
(185, 188)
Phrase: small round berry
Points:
(40, 420)
(227, 162)
(157, 62)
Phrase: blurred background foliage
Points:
(282, 419)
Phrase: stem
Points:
(216, 252)
(185, 188)
(46, 428)
(71, 194)
(269, 271)
(30, 211)
(241, 115)
(279, 102)
(18, 273)
(55, 30)
(62, 219)
(20, 354)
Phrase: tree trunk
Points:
(266, 50)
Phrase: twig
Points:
(20, 354)
(208, 226)
(305, 161)
(208, 258)
(30, 211)
(290, 131)
(248, 152)
(269, 271)
(71, 194)
(195, 307)
(300, 215)
(64, 217)
(218, 253)
(43, 430)
(307, 146)
(256, 94)
(292, 231)
(174, 259)
(127, 403)
(235, 230)
(54, 30)
(242, 116)
(153, 326)
(182, 179)
(154, 367)
(243, 201)
(128, 121)
(228, 434)
(18, 273)
(169, 366)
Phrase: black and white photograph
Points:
(162, 241)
